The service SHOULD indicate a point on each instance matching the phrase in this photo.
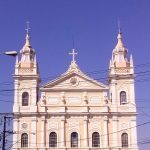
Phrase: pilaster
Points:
(85, 132)
(113, 95)
(115, 131)
(133, 133)
(43, 138)
(16, 96)
(34, 132)
(62, 132)
(105, 132)
(16, 135)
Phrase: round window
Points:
(73, 81)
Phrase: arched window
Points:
(74, 139)
(95, 139)
(52, 139)
(25, 99)
(24, 140)
(123, 98)
(124, 139)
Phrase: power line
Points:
(77, 105)
(4, 133)
(62, 85)
(142, 72)
(140, 80)
(88, 73)
(139, 125)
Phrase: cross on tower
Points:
(119, 26)
(73, 54)
(28, 27)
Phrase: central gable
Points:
(74, 81)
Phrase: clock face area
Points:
(74, 81)
(24, 126)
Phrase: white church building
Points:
(74, 111)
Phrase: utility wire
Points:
(88, 73)
(143, 72)
(62, 85)
(139, 125)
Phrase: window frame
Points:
(53, 139)
(123, 97)
(25, 99)
(97, 142)
(74, 140)
(124, 140)
(24, 140)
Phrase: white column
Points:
(113, 91)
(133, 133)
(33, 97)
(43, 140)
(62, 132)
(132, 96)
(33, 132)
(33, 93)
(62, 95)
(105, 132)
(114, 130)
(114, 95)
(85, 131)
(16, 135)
(85, 99)
(132, 92)
(17, 103)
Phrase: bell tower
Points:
(26, 79)
(122, 95)
(121, 76)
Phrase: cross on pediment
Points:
(73, 54)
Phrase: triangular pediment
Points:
(74, 81)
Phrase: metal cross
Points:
(28, 27)
(73, 54)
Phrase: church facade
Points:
(74, 111)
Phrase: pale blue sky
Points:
(93, 23)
